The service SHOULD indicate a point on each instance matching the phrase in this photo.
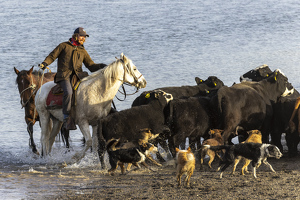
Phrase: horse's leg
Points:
(45, 132)
(55, 130)
(85, 130)
(30, 132)
(65, 134)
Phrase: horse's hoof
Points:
(35, 151)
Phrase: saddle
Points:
(55, 96)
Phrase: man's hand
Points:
(43, 65)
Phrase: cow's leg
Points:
(172, 146)
(94, 139)
(276, 140)
(291, 123)
(101, 145)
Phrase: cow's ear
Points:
(275, 77)
(198, 80)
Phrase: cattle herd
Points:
(264, 101)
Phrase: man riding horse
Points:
(70, 55)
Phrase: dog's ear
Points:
(189, 149)
(144, 144)
(177, 149)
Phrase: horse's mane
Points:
(108, 73)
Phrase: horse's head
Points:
(26, 85)
(132, 75)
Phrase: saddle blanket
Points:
(54, 100)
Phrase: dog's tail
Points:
(111, 144)
(216, 148)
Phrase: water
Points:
(170, 42)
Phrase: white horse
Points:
(93, 101)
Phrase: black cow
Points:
(249, 104)
(282, 110)
(202, 88)
(127, 123)
(188, 118)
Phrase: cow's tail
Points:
(216, 148)
(111, 144)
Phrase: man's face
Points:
(81, 40)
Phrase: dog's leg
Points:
(179, 174)
(188, 177)
(137, 166)
(113, 168)
(223, 169)
(129, 166)
(236, 161)
(245, 167)
(146, 166)
(217, 153)
(154, 161)
(268, 164)
(254, 172)
(211, 155)
(122, 168)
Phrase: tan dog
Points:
(255, 137)
(185, 165)
(216, 140)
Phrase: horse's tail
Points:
(111, 144)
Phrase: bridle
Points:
(32, 86)
(129, 71)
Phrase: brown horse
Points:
(28, 84)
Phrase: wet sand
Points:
(92, 183)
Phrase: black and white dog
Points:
(135, 155)
(253, 151)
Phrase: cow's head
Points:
(256, 74)
(160, 95)
(283, 86)
(211, 83)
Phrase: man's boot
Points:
(69, 123)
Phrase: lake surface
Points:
(171, 42)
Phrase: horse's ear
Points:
(125, 59)
(30, 71)
(17, 71)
